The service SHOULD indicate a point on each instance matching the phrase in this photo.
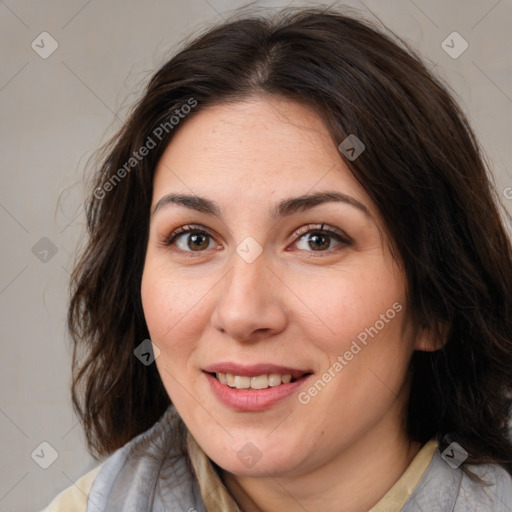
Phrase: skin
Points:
(295, 305)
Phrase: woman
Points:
(298, 217)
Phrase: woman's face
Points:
(259, 291)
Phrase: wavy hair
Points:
(422, 167)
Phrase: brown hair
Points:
(422, 167)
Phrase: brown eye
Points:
(198, 241)
(320, 239)
(193, 239)
(189, 239)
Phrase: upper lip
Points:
(254, 369)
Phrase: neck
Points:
(357, 478)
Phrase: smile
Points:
(258, 382)
(253, 388)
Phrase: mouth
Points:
(263, 381)
(256, 387)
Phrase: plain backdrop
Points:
(55, 111)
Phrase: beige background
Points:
(56, 111)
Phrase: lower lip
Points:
(253, 399)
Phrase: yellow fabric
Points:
(74, 498)
(216, 498)
(396, 497)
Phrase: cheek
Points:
(156, 303)
(351, 304)
(172, 307)
(164, 300)
(163, 310)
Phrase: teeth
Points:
(242, 382)
(258, 382)
(274, 379)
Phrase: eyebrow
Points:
(285, 208)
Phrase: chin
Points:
(262, 468)
(259, 458)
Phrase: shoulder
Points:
(74, 498)
(127, 469)
(493, 495)
(151, 468)
(443, 488)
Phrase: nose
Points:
(249, 302)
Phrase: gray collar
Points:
(150, 473)
(153, 473)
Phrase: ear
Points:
(428, 340)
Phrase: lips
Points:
(255, 370)
(254, 400)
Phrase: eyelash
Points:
(310, 228)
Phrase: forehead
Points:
(257, 150)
